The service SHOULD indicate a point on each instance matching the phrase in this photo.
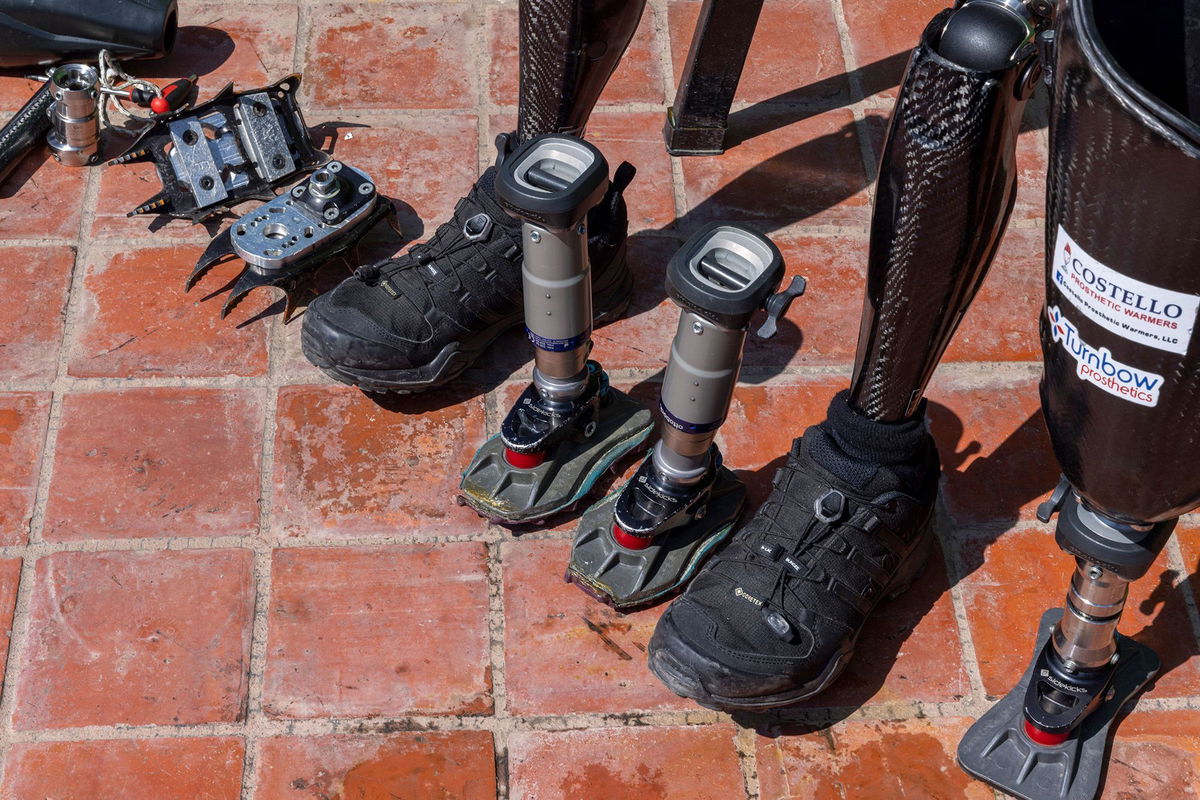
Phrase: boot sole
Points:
(611, 300)
(680, 678)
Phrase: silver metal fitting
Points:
(75, 115)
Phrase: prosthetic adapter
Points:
(238, 146)
(646, 540)
(289, 237)
(569, 425)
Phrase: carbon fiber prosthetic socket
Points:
(1121, 388)
(946, 186)
(569, 49)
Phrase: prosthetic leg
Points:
(1121, 369)
(648, 539)
(569, 425)
(947, 182)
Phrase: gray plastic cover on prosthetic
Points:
(626, 578)
(501, 493)
(996, 750)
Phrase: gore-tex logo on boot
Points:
(1098, 367)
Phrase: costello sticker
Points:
(1098, 367)
(1137, 311)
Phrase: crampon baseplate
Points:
(289, 237)
(238, 146)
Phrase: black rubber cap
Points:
(983, 37)
(725, 273)
(552, 180)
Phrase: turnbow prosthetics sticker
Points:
(1142, 313)
(1098, 367)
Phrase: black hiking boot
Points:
(418, 320)
(773, 619)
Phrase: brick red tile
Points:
(248, 44)
(795, 53)
(15, 91)
(133, 323)
(881, 50)
(125, 187)
(430, 61)
(420, 611)
(625, 763)
(1002, 322)
(23, 420)
(1154, 754)
(822, 326)
(344, 463)
(131, 769)
(443, 765)
(41, 199)
(156, 462)
(807, 171)
(908, 651)
(763, 420)
(31, 330)
(10, 578)
(1023, 572)
(641, 339)
(436, 165)
(996, 458)
(564, 652)
(636, 137)
(638, 77)
(1187, 534)
(914, 758)
(1032, 163)
(149, 638)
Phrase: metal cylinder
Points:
(1086, 635)
(75, 136)
(696, 393)
(557, 285)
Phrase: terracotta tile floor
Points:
(223, 576)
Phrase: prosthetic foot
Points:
(1048, 737)
(647, 540)
(569, 425)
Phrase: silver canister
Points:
(75, 136)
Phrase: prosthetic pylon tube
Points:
(647, 540)
(1119, 390)
(569, 425)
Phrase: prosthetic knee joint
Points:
(649, 538)
(569, 425)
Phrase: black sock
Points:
(854, 447)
